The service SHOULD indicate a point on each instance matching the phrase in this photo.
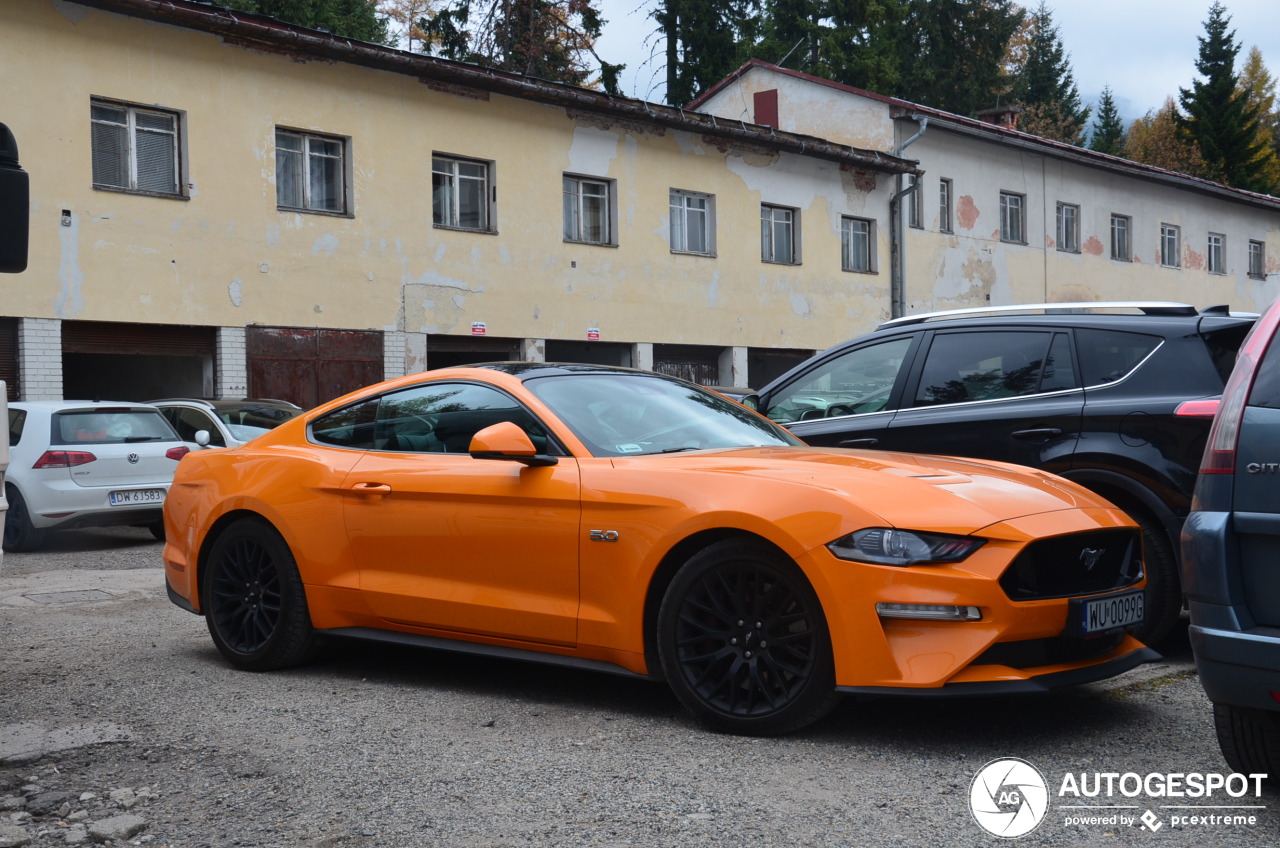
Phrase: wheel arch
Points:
(1130, 496)
(211, 537)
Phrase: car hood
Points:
(906, 490)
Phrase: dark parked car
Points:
(1231, 559)
(1117, 397)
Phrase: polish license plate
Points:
(136, 497)
(1101, 615)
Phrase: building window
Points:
(856, 245)
(460, 193)
(1013, 218)
(1257, 260)
(1121, 243)
(778, 226)
(1069, 227)
(311, 172)
(135, 149)
(944, 205)
(692, 222)
(587, 210)
(1217, 253)
(1170, 246)
(914, 217)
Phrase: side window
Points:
(853, 383)
(17, 419)
(188, 421)
(1109, 355)
(349, 427)
(992, 365)
(135, 148)
(442, 418)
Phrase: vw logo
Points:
(133, 458)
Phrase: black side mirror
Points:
(15, 202)
(751, 401)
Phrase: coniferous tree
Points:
(1108, 130)
(702, 42)
(357, 19)
(1260, 87)
(951, 52)
(1219, 116)
(1045, 85)
(550, 39)
(849, 41)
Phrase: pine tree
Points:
(549, 39)
(1108, 130)
(1045, 85)
(1218, 115)
(357, 19)
(951, 52)
(1260, 87)
(703, 43)
(848, 41)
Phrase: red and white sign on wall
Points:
(477, 328)
(593, 334)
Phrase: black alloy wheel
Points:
(253, 599)
(743, 641)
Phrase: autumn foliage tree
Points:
(1259, 87)
(1156, 139)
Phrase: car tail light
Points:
(178, 452)
(1198, 408)
(1220, 452)
(63, 459)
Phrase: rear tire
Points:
(253, 599)
(19, 533)
(743, 641)
(157, 529)
(1249, 739)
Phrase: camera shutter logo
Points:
(1008, 797)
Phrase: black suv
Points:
(1231, 559)
(1118, 397)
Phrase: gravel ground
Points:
(120, 724)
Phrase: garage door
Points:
(309, 366)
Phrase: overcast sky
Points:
(1144, 49)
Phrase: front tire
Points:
(254, 603)
(1249, 739)
(19, 533)
(1164, 585)
(743, 642)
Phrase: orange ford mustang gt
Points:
(624, 521)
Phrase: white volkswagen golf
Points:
(86, 464)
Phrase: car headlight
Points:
(891, 546)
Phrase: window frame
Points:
(609, 209)
(1257, 251)
(1068, 227)
(1215, 253)
(845, 241)
(769, 231)
(1009, 216)
(129, 154)
(1127, 238)
(915, 200)
(344, 171)
(1170, 235)
(946, 215)
(679, 217)
(489, 193)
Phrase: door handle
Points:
(371, 489)
(859, 443)
(1037, 433)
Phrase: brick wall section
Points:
(233, 367)
(394, 349)
(40, 358)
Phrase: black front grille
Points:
(1078, 564)
(1033, 653)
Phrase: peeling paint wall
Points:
(227, 256)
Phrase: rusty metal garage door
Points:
(310, 366)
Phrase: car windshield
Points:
(627, 414)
